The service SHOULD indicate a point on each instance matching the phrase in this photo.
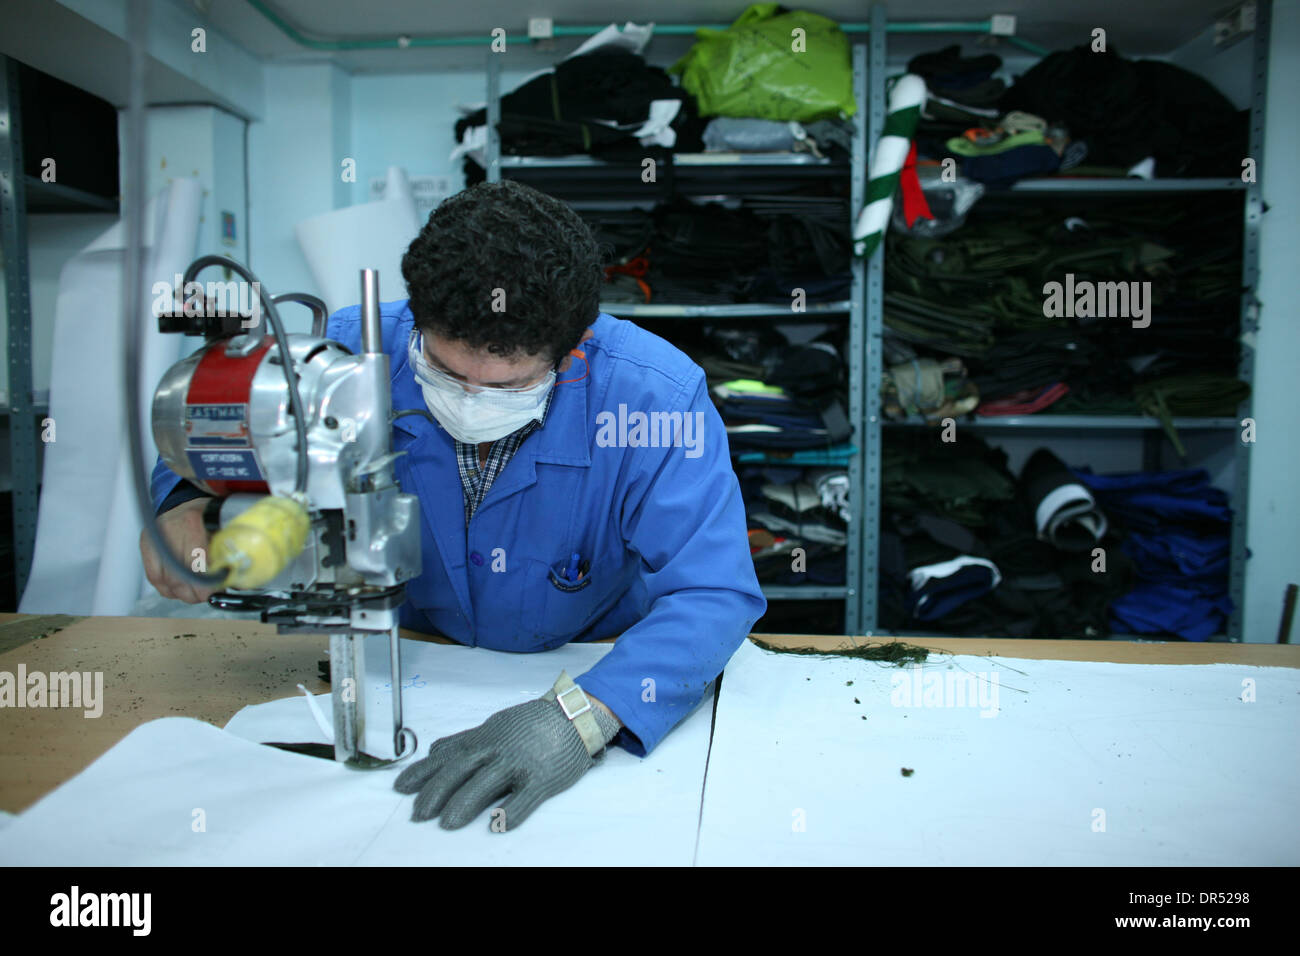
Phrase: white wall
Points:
(295, 154)
(1273, 530)
(207, 144)
(316, 117)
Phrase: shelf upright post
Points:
(855, 585)
(1254, 210)
(13, 222)
(867, 511)
(493, 146)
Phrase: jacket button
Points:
(476, 557)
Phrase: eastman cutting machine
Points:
(292, 435)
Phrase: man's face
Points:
(479, 368)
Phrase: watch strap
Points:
(580, 711)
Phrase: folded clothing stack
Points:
(963, 92)
(1128, 110)
(604, 97)
(981, 295)
(828, 138)
(683, 252)
(1071, 106)
(797, 508)
(797, 523)
(772, 395)
(757, 415)
(1177, 530)
(966, 548)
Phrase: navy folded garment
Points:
(1002, 170)
(757, 437)
(788, 421)
(936, 589)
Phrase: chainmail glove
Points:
(531, 751)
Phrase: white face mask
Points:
(485, 414)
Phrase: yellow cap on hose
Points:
(259, 543)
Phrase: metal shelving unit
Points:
(737, 311)
(22, 195)
(1079, 424)
(1046, 421)
(13, 238)
(56, 197)
(680, 159)
(1065, 184)
(705, 164)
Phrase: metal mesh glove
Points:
(530, 751)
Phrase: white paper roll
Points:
(374, 235)
(87, 555)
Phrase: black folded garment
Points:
(963, 481)
(613, 85)
(811, 372)
(946, 69)
(1063, 597)
(706, 241)
(822, 564)
(768, 286)
(1065, 512)
(1031, 360)
(1127, 110)
(756, 343)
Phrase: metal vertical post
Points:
(1249, 312)
(493, 147)
(13, 223)
(853, 576)
(869, 507)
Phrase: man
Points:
(577, 485)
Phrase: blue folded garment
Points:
(1177, 530)
(1167, 609)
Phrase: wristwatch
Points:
(580, 711)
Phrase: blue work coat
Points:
(661, 525)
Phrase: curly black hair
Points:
(510, 237)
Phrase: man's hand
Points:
(182, 529)
(530, 751)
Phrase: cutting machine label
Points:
(224, 465)
(217, 426)
(220, 448)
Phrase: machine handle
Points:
(320, 314)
